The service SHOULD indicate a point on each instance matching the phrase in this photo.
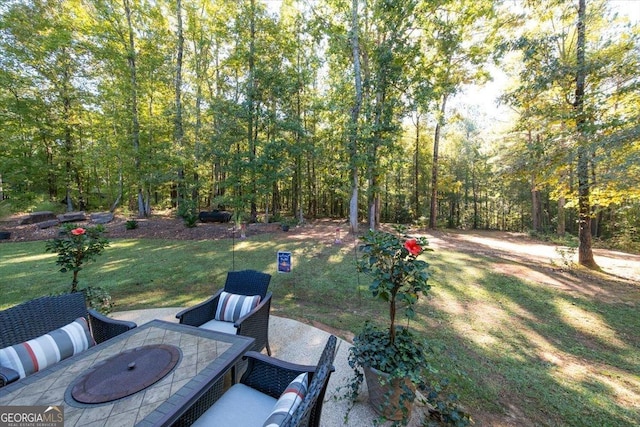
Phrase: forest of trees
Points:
(326, 108)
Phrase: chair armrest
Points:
(105, 328)
(269, 375)
(200, 313)
(7, 376)
(309, 411)
(255, 324)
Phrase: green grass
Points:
(515, 351)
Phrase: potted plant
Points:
(391, 358)
(287, 222)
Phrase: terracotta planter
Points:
(384, 395)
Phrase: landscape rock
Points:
(215, 216)
(102, 217)
(35, 217)
(47, 224)
(72, 216)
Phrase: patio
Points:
(296, 342)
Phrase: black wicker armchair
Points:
(40, 316)
(264, 381)
(255, 324)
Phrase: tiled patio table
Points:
(205, 358)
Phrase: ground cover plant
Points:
(522, 343)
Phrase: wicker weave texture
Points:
(247, 282)
(255, 324)
(40, 316)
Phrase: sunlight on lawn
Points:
(28, 258)
(582, 377)
(123, 244)
(587, 323)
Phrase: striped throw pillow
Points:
(36, 354)
(231, 307)
(288, 401)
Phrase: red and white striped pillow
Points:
(231, 307)
(288, 401)
(36, 354)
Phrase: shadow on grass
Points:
(545, 355)
(517, 352)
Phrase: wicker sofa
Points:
(40, 316)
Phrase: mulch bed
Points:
(158, 227)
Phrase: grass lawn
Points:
(517, 352)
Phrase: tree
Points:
(458, 38)
(355, 117)
(585, 254)
(569, 95)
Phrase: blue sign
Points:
(284, 262)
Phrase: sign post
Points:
(284, 262)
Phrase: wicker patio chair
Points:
(40, 316)
(255, 324)
(264, 381)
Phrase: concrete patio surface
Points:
(297, 342)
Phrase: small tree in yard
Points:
(77, 246)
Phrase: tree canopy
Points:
(324, 108)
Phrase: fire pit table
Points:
(149, 376)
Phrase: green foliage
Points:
(398, 278)
(77, 246)
(406, 357)
(5, 209)
(99, 299)
(444, 406)
(131, 224)
(567, 256)
(187, 210)
(288, 221)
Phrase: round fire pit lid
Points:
(126, 373)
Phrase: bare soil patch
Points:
(519, 255)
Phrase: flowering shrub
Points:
(399, 277)
(75, 247)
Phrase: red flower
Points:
(78, 231)
(413, 247)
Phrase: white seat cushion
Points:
(240, 406)
(220, 326)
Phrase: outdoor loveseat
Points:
(268, 393)
(254, 322)
(46, 318)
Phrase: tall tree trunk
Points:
(252, 122)
(68, 136)
(585, 253)
(416, 167)
(178, 131)
(433, 214)
(561, 217)
(355, 116)
(474, 188)
(135, 122)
